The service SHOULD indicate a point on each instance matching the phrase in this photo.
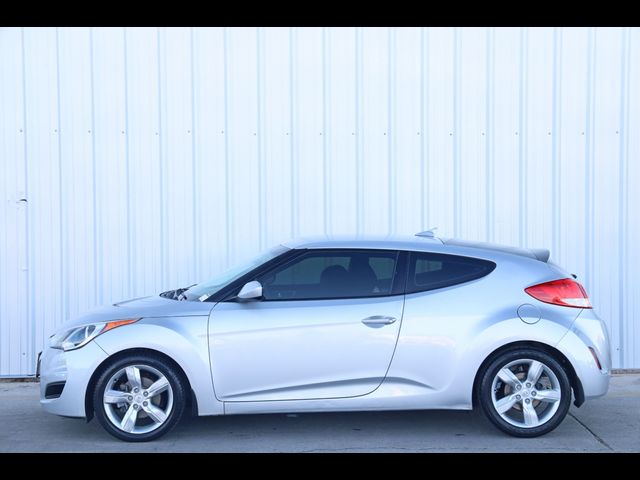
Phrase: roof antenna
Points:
(427, 233)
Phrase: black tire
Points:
(176, 381)
(484, 391)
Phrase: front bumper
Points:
(74, 368)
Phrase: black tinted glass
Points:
(428, 271)
(332, 274)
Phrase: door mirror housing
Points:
(251, 291)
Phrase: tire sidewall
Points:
(175, 380)
(486, 384)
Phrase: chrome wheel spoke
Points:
(515, 396)
(133, 376)
(550, 396)
(116, 396)
(505, 404)
(158, 387)
(530, 415)
(128, 422)
(508, 377)
(535, 370)
(155, 413)
(138, 410)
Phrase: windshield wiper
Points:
(177, 294)
(181, 291)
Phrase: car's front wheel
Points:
(139, 398)
(525, 392)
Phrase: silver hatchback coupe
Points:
(340, 324)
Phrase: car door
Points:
(326, 327)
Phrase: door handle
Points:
(378, 320)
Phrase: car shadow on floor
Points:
(401, 431)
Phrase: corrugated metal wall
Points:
(135, 160)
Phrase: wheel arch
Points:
(192, 401)
(576, 385)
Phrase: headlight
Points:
(79, 336)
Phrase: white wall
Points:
(151, 158)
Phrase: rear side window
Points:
(428, 271)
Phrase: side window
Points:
(428, 271)
(332, 274)
(308, 271)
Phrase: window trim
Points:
(411, 287)
(400, 283)
(398, 280)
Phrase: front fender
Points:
(184, 339)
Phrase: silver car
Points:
(340, 324)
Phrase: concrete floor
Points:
(607, 424)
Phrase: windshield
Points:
(204, 290)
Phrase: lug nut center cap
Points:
(138, 398)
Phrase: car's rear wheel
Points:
(139, 398)
(525, 392)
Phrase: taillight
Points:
(566, 292)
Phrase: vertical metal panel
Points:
(376, 54)
(275, 136)
(341, 132)
(571, 130)
(406, 125)
(605, 218)
(15, 328)
(309, 142)
(538, 138)
(244, 160)
(629, 154)
(176, 78)
(76, 170)
(47, 283)
(151, 158)
(143, 144)
(210, 150)
(471, 136)
(504, 136)
(439, 114)
(112, 151)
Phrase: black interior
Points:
(449, 270)
(357, 280)
(360, 274)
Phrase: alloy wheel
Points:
(138, 399)
(526, 393)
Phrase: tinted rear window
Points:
(429, 271)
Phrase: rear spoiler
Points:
(541, 254)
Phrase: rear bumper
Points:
(589, 332)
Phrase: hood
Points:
(153, 306)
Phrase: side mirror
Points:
(251, 291)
